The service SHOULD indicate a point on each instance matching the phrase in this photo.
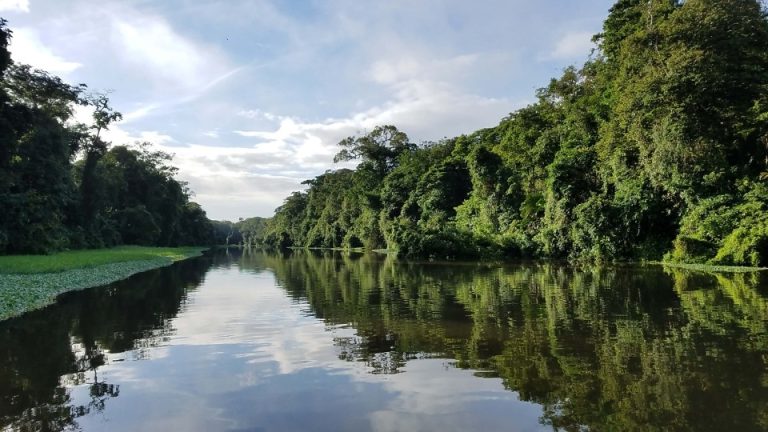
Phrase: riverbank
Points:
(704, 268)
(707, 268)
(29, 282)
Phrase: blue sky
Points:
(252, 96)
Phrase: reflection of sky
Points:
(246, 357)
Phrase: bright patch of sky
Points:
(253, 96)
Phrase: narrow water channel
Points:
(332, 341)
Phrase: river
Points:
(331, 341)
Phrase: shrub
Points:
(691, 250)
(746, 245)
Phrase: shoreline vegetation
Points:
(64, 187)
(29, 282)
(654, 149)
(71, 200)
(704, 268)
(707, 268)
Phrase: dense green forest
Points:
(657, 145)
(63, 186)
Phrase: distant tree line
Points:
(657, 146)
(245, 232)
(63, 186)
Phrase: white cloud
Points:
(572, 46)
(432, 110)
(14, 5)
(150, 43)
(255, 114)
(233, 182)
(423, 95)
(175, 69)
(397, 69)
(155, 137)
(139, 113)
(261, 175)
(423, 109)
(229, 182)
(117, 134)
(27, 48)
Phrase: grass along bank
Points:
(29, 282)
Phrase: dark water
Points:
(335, 342)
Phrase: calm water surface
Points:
(335, 342)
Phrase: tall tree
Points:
(94, 148)
(36, 186)
(378, 150)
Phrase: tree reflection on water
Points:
(606, 348)
(45, 353)
(603, 348)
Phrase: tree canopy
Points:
(63, 186)
(657, 145)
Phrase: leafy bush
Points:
(746, 245)
(726, 229)
(593, 232)
(687, 249)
